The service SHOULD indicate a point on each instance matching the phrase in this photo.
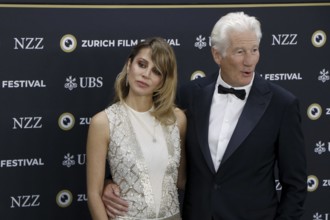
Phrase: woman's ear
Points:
(128, 66)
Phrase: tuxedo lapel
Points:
(201, 109)
(254, 109)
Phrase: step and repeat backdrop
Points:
(58, 64)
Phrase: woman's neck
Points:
(140, 104)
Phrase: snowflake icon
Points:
(70, 83)
(200, 42)
(324, 76)
(68, 160)
(317, 216)
(320, 149)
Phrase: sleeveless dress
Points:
(129, 169)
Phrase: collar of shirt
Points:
(224, 115)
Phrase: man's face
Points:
(242, 56)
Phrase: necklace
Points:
(137, 116)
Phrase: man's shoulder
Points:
(276, 89)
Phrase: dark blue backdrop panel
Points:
(58, 66)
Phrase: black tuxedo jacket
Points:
(268, 133)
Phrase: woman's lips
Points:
(142, 84)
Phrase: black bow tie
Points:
(239, 93)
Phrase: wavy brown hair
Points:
(164, 59)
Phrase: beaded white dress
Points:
(131, 171)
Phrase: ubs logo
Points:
(70, 83)
(320, 147)
(324, 76)
(28, 43)
(200, 42)
(83, 82)
(68, 43)
(69, 160)
(320, 216)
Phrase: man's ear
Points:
(216, 56)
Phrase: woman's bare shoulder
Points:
(99, 119)
(181, 117)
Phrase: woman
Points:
(140, 136)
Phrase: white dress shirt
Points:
(225, 112)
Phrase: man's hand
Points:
(114, 205)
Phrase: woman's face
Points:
(143, 76)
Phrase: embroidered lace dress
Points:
(129, 169)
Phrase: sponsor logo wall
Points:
(58, 66)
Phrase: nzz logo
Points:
(25, 201)
(27, 123)
(29, 43)
(83, 82)
(284, 39)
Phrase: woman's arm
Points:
(97, 144)
(182, 124)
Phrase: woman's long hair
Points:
(163, 57)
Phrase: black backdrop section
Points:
(58, 66)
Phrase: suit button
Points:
(216, 187)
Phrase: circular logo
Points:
(197, 74)
(312, 183)
(64, 198)
(319, 38)
(66, 121)
(68, 43)
(314, 111)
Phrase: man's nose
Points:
(248, 59)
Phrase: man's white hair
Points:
(234, 21)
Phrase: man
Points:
(235, 141)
